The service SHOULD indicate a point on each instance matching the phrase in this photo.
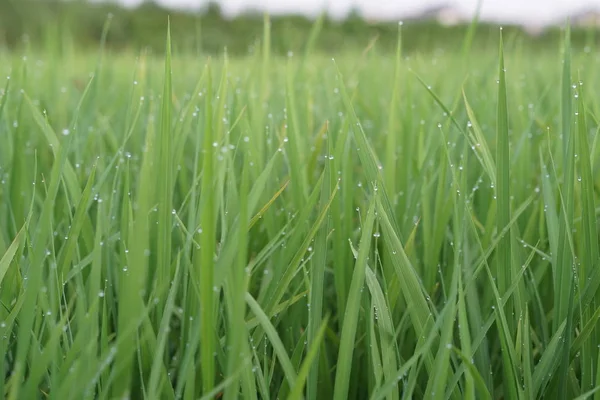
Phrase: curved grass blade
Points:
(9, 255)
(477, 379)
(271, 333)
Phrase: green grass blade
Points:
(310, 358)
(204, 258)
(344, 362)
(236, 289)
(69, 175)
(478, 380)
(413, 292)
(154, 382)
(66, 256)
(392, 126)
(319, 261)
(479, 144)
(436, 384)
(271, 333)
(564, 281)
(503, 256)
(165, 179)
(386, 327)
(549, 362)
(589, 253)
(7, 258)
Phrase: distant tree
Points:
(213, 9)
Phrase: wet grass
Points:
(373, 226)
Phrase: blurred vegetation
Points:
(78, 24)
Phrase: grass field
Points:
(372, 226)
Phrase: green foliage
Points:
(381, 226)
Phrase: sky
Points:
(515, 11)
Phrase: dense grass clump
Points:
(374, 226)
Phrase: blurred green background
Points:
(78, 24)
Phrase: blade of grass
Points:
(349, 328)
(392, 126)
(278, 346)
(204, 258)
(7, 258)
(154, 383)
(237, 287)
(385, 323)
(505, 268)
(589, 253)
(164, 181)
(310, 358)
(67, 252)
(319, 261)
(564, 280)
